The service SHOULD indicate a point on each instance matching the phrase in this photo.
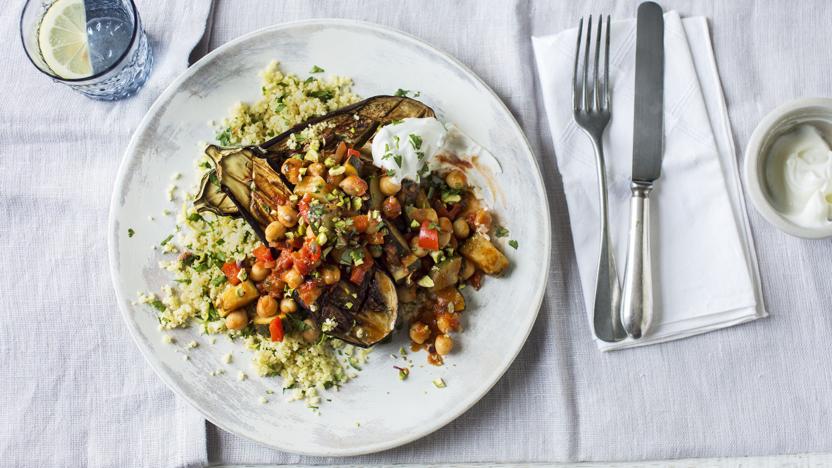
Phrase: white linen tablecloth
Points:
(762, 388)
(74, 389)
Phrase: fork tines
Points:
(591, 94)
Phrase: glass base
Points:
(127, 81)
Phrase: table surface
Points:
(760, 388)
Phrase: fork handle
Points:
(637, 294)
(606, 321)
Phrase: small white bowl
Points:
(777, 122)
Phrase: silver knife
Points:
(637, 294)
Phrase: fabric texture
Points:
(704, 264)
(74, 389)
(756, 389)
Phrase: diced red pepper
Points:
(428, 238)
(358, 272)
(231, 270)
(285, 260)
(263, 255)
(353, 152)
(276, 329)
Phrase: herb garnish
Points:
(224, 137)
(501, 232)
(513, 243)
(316, 69)
(130, 232)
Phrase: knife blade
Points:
(637, 292)
(649, 93)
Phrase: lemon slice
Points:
(62, 39)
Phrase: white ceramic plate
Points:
(376, 411)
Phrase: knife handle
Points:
(637, 294)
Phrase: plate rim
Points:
(124, 305)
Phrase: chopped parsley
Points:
(158, 305)
(501, 232)
(224, 137)
(398, 159)
(218, 280)
(324, 94)
(402, 92)
(130, 232)
(316, 69)
(166, 240)
(415, 141)
(513, 243)
(194, 217)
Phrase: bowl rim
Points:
(752, 172)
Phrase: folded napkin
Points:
(704, 265)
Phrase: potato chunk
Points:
(484, 254)
(236, 297)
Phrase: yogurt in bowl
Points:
(788, 168)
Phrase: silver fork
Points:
(591, 110)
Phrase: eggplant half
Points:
(362, 315)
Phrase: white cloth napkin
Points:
(74, 389)
(705, 269)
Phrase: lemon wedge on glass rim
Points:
(62, 39)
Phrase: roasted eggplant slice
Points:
(245, 181)
(354, 124)
(242, 184)
(363, 315)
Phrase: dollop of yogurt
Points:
(407, 149)
(799, 176)
(413, 148)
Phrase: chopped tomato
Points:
(285, 260)
(303, 207)
(263, 255)
(231, 270)
(353, 152)
(360, 222)
(359, 271)
(307, 258)
(376, 238)
(276, 329)
(309, 292)
(428, 238)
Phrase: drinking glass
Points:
(96, 47)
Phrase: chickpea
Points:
(266, 306)
(391, 208)
(287, 215)
(293, 278)
(416, 249)
(456, 179)
(259, 272)
(419, 332)
(317, 169)
(275, 231)
(353, 185)
(461, 228)
(443, 344)
(236, 320)
(291, 170)
(331, 274)
(468, 269)
(388, 186)
(288, 305)
(446, 323)
(482, 218)
(312, 332)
